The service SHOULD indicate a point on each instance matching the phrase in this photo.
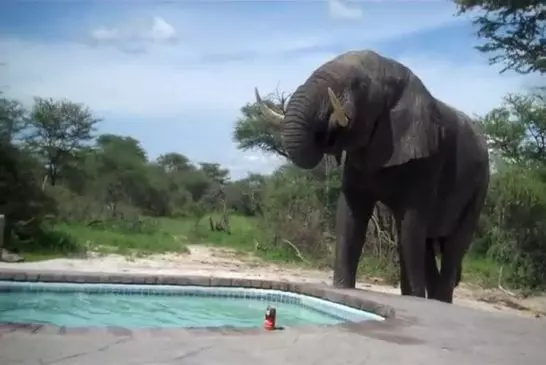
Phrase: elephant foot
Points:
(344, 284)
(442, 294)
(444, 298)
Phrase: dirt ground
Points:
(205, 260)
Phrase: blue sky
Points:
(175, 74)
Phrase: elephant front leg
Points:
(353, 214)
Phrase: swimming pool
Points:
(164, 306)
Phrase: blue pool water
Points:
(141, 306)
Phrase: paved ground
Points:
(423, 332)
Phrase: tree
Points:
(178, 172)
(124, 147)
(513, 224)
(22, 201)
(121, 170)
(12, 119)
(517, 129)
(56, 130)
(196, 182)
(154, 196)
(245, 196)
(215, 172)
(253, 131)
(514, 31)
(79, 172)
(174, 162)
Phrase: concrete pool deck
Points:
(416, 331)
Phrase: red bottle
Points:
(270, 318)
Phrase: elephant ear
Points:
(411, 130)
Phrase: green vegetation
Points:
(66, 191)
(513, 32)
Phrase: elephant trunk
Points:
(298, 132)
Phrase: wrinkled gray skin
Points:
(425, 160)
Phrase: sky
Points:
(175, 74)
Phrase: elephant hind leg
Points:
(456, 247)
(431, 272)
(411, 252)
(405, 287)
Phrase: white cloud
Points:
(147, 85)
(254, 162)
(161, 30)
(134, 36)
(339, 10)
(213, 32)
(105, 34)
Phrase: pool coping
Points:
(348, 297)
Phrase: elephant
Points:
(397, 144)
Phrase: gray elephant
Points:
(425, 160)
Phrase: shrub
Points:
(516, 219)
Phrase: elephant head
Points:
(359, 101)
(304, 144)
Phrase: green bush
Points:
(48, 240)
(74, 208)
(294, 215)
(515, 225)
(22, 199)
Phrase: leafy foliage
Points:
(518, 203)
(254, 132)
(514, 31)
(517, 129)
(21, 200)
(55, 130)
(294, 214)
(12, 119)
(513, 228)
(54, 171)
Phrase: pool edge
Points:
(349, 297)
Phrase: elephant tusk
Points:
(343, 158)
(338, 115)
(275, 118)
